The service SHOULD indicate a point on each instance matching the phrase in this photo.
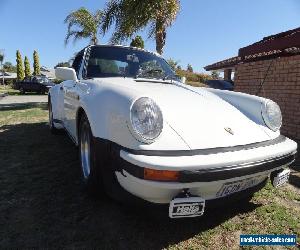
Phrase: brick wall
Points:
(282, 85)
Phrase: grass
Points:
(7, 89)
(43, 204)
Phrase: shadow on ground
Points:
(43, 203)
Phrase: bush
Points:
(56, 81)
(193, 77)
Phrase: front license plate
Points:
(186, 207)
(233, 187)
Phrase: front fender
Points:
(108, 112)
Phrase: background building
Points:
(270, 68)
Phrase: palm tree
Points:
(87, 25)
(130, 16)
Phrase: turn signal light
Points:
(160, 175)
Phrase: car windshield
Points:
(127, 62)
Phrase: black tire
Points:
(91, 179)
(102, 179)
(53, 130)
(22, 91)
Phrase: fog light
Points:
(160, 175)
(280, 177)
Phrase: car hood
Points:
(199, 117)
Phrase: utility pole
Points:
(1, 61)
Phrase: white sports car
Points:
(143, 134)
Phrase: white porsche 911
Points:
(143, 134)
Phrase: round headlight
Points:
(146, 119)
(272, 115)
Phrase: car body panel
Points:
(198, 128)
(193, 119)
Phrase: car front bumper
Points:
(202, 174)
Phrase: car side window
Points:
(77, 62)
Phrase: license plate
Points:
(281, 178)
(233, 187)
(186, 207)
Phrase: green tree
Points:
(174, 64)
(63, 64)
(20, 68)
(215, 75)
(131, 16)
(27, 66)
(1, 58)
(9, 67)
(189, 68)
(137, 42)
(36, 64)
(87, 25)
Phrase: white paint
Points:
(194, 118)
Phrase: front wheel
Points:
(89, 168)
(97, 161)
(22, 90)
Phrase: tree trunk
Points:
(94, 39)
(160, 37)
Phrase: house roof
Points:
(282, 44)
(8, 75)
(50, 73)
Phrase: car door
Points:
(71, 99)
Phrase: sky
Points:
(203, 33)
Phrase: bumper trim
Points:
(229, 172)
(206, 151)
(216, 174)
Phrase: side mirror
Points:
(65, 73)
(183, 79)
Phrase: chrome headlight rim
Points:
(266, 106)
(136, 133)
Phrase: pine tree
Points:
(20, 68)
(36, 64)
(27, 66)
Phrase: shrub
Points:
(193, 77)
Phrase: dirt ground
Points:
(43, 204)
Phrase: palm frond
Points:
(131, 16)
(86, 23)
